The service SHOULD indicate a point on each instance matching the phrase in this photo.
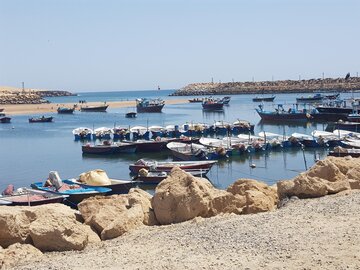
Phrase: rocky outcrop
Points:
(51, 227)
(18, 253)
(328, 176)
(114, 215)
(182, 197)
(270, 87)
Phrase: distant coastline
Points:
(270, 87)
(12, 95)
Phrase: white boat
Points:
(345, 133)
(139, 130)
(302, 136)
(82, 133)
(323, 134)
(211, 142)
(189, 152)
(156, 129)
(351, 144)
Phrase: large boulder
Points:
(259, 197)
(328, 176)
(18, 253)
(181, 197)
(51, 227)
(112, 216)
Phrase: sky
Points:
(105, 45)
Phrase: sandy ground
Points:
(52, 107)
(305, 234)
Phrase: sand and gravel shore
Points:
(16, 109)
(318, 233)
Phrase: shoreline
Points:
(26, 109)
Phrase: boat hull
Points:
(5, 120)
(213, 106)
(265, 99)
(108, 149)
(41, 120)
(150, 109)
(283, 117)
(94, 109)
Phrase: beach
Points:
(19, 109)
(317, 233)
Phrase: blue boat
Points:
(64, 110)
(76, 195)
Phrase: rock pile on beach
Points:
(179, 198)
(270, 87)
(28, 96)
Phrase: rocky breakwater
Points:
(270, 87)
(28, 96)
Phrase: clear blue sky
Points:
(87, 45)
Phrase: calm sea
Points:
(30, 151)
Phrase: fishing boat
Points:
(263, 99)
(343, 134)
(334, 96)
(5, 120)
(188, 152)
(338, 106)
(153, 178)
(354, 117)
(64, 110)
(348, 143)
(343, 152)
(242, 126)
(226, 100)
(102, 133)
(310, 99)
(82, 133)
(151, 145)
(220, 128)
(310, 141)
(117, 186)
(157, 131)
(41, 119)
(212, 104)
(167, 166)
(280, 115)
(140, 132)
(108, 148)
(329, 137)
(254, 143)
(121, 133)
(275, 140)
(76, 192)
(101, 108)
(131, 115)
(196, 100)
(32, 197)
(144, 105)
(350, 126)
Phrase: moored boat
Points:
(131, 115)
(343, 152)
(101, 108)
(109, 149)
(196, 100)
(41, 119)
(32, 197)
(350, 126)
(212, 104)
(102, 133)
(82, 133)
(167, 166)
(313, 98)
(5, 120)
(144, 105)
(188, 152)
(263, 99)
(226, 100)
(64, 110)
(280, 115)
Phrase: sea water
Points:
(30, 150)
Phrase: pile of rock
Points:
(27, 96)
(180, 197)
(281, 86)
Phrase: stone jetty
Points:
(271, 87)
(11, 95)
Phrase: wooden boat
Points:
(109, 149)
(151, 145)
(131, 115)
(338, 106)
(82, 133)
(280, 115)
(64, 110)
(167, 166)
(334, 96)
(212, 104)
(76, 192)
(313, 98)
(242, 126)
(121, 133)
(342, 134)
(226, 100)
(310, 141)
(354, 117)
(33, 197)
(276, 140)
(144, 105)
(192, 151)
(102, 133)
(343, 152)
(102, 108)
(156, 177)
(5, 120)
(196, 100)
(326, 117)
(254, 143)
(329, 137)
(117, 186)
(41, 119)
(263, 99)
(350, 126)
(351, 143)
